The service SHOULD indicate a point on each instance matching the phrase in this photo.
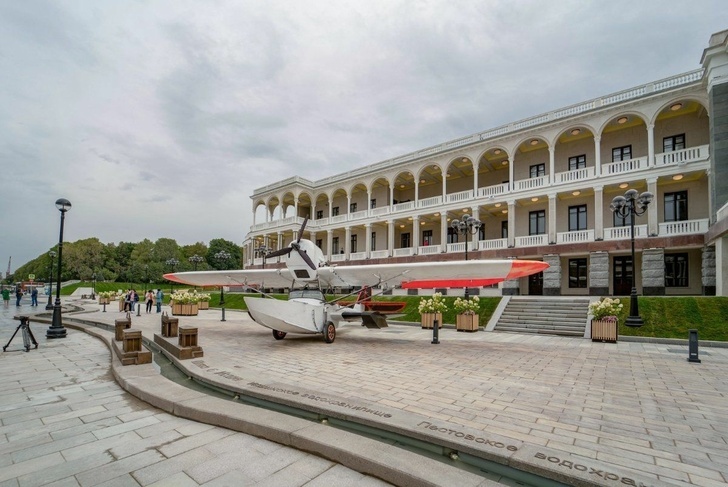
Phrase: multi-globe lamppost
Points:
(629, 206)
(467, 226)
(173, 264)
(52, 255)
(56, 330)
(93, 284)
(223, 257)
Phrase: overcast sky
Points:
(160, 118)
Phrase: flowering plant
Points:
(435, 304)
(467, 306)
(203, 297)
(606, 309)
(184, 297)
(107, 294)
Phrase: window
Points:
(577, 273)
(352, 208)
(427, 237)
(452, 235)
(335, 245)
(334, 211)
(504, 229)
(538, 170)
(537, 222)
(374, 241)
(577, 218)
(676, 270)
(373, 203)
(622, 153)
(353, 243)
(577, 162)
(673, 143)
(622, 222)
(676, 206)
(319, 243)
(319, 214)
(405, 240)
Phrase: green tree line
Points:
(144, 261)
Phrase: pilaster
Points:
(708, 270)
(653, 272)
(598, 274)
(552, 275)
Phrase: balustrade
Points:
(574, 175)
(428, 202)
(620, 233)
(575, 236)
(531, 183)
(683, 228)
(460, 196)
(532, 240)
(496, 243)
(404, 252)
(428, 249)
(683, 156)
(625, 166)
(358, 256)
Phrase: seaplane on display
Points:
(307, 273)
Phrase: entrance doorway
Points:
(535, 284)
(622, 272)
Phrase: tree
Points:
(218, 245)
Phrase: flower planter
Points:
(203, 305)
(467, 322)
(180, 309)
(428, 320)
(104, 300)
(604, 331)
(121, 304)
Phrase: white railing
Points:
(532, 240)
(531, 183)
(403, 206)
(621, 233)
(575, 237)
(683, 156)
(496, 243)
(461, 196)
(574, 175)
(321, 222)
(431, 201)
(683, 228)
(357, 256)
(382, 210)
(358, 214)
(339, 218)
(379, 254)
(456, 247)
(428, 249)
(338, 257)
(404, 252)
(625, 166)
(493, 190)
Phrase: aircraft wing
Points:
(428, 275)
(251, 277)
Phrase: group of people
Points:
(19, 296)
(131, 298)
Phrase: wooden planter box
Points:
(428, 320)
(468, 322)
(121, 304)
(104, 300)
(604, 331)
(203, 305)
(184, 309)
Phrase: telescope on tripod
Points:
(24, 328)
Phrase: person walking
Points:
(18, 295)
(160, 298)
(134, 299)
(6, 297)
(127, 301)
(34, 297)
(150, 300)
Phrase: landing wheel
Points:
(329, 332)
(279, 335)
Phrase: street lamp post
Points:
(173, 264)
(52, 255)
(222, 256)
(467, 226)
(93, 286)
(262, 251)
(56, 330)
(629, 206)
(195, 259)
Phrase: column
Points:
(444, 188)
(475, 180)
(597, 156)
(329, 243)
(552, 218)
(312, 236)
(368, 236)
(417, 192)
(598, 274)
(598, 212)
(348, 204)
(552, 163)
(443, 232)
(331, 209)
(511, 175)
(474, 239)
(652, 223)
(295, 206)
(391, 197)
(511, 223)
(416, 234)
(653, 272)
(347, 243)
(390, 237)
(552, 275)
(708, 270)
(279, 244)
(651, 145)
(369, 199)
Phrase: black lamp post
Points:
(222, 256)
(173, 264)
(56, 330)
(195, 259)
(262, 251)
(629, 206)
(467, 226)
(52, 255)
(93, 284)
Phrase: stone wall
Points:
(511, 288)
(599, 274)
(552, 275)
(708, 271)
(653, 272)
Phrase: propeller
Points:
(297, 247)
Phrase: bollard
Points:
(104, 306)
(139, 309)
(435, 333)
(693, 346)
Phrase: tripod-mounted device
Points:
(28, 337)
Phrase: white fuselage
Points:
(297, 315)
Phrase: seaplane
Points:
(307, 273)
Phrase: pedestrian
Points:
(127, 301)
(34, 297)
(134, 299)
(150, 300)
(6, 297)
(18, 295)
(160, 298)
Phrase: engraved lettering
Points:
(540, 456)
(580, 468)
(598, 473)
(566, 464)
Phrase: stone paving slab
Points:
(635, 410)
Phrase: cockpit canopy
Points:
(306, 294)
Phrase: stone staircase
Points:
(545, 315)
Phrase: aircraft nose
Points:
(522, 268)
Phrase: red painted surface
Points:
(519, 268)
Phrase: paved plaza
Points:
(568, 409)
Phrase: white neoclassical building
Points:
(542, 188)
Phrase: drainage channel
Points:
(479, 466)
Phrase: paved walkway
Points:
(605, 414)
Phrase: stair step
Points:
(547, 316)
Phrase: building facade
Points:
(542, 188)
